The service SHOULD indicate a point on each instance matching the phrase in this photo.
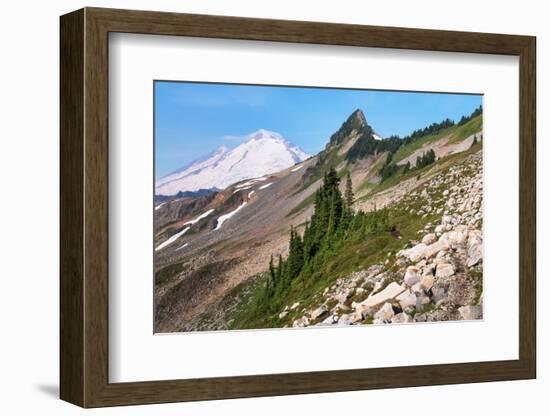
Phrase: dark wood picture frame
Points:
(84, 207)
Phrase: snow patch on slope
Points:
(200, 217)
(225, 217)
(172, 239)
(241, 189)
(183, 246)
(183, 231)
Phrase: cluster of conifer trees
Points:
(366, 145)
(389, 169)
(427, 158)
(465, 119)
(333, 221)
(432, 129)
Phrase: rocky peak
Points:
(356, 123)
(357, 118)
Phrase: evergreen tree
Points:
(425, 159)
(335, 207)
(308, 242)
(349, 194)
(345, 219)
(279, 271)
(331, 180)
(296, 255)
(272, 272)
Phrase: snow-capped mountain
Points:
(263, 152)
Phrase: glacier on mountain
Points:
(263, 153)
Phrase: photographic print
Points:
(294, 207)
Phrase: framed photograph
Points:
(255, 207)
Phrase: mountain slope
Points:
(222, 258)
(197, 164)
(263, 153)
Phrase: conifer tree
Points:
(345, 218)
(349, 194)
(272, 272)
(331, 179)
(296, 255)
(279, 271)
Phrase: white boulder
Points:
(301, 322)
(330, 320)
(344, 320)
(320, 311)
(385, 313)
(412, 276)
(390, 292)
(415, 253)
(401, 318)
(429, 239)
(444, 270)
(435, 248)
(454, 238)
(427, 281)
(343, 296)
(407, 299)
(475, 248)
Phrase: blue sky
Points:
(193, 119)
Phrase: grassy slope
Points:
(455, 133)
(373, 171)
(466, 130)
(440, 164)
(406, 151)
